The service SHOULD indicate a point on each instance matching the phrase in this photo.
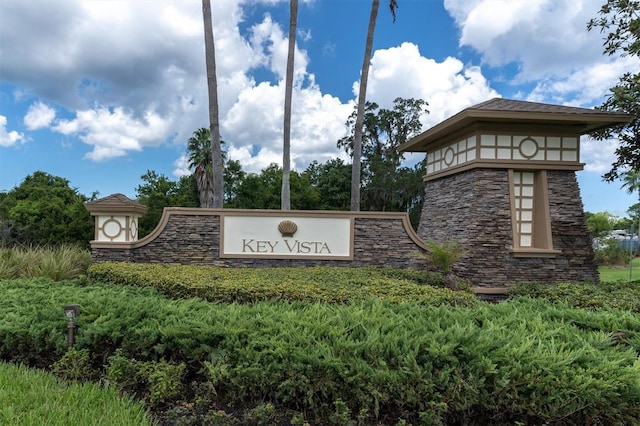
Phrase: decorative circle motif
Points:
(449, 155)
(133, 229)
(287, 228)
(111, 228)
(528, 147)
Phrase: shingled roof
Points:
(115, 203)
(499, 110)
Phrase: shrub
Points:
(74, 366)
(156, 381)
(247, 285)
(612, 254)
(524, 360)
(624, 295)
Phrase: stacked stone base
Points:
(473, 208)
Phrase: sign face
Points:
(283, 237)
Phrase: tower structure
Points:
(501, 180)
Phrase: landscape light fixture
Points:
(71, 311)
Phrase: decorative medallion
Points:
(111, 228)
(287, 228)
(449, 156)
(528, 147)
(134, 230)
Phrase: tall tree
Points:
(214, 123)
(285, 199)
(233, 178)
(600, 224)
(631, 182)
(262, 191)
(362, 95)
(199, 149)
(45, 210)
(387, 185)
(332, 180)
(157, 192)
(620, 19)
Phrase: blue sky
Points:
(101, 91)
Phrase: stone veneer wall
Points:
(473, 208)
(189, 238)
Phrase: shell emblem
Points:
(287, 228)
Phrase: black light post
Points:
(71, 311)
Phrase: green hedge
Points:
(624, 295)
(520, 361)
(245, 285)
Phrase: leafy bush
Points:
(372, 361)
(612, 254)
(245, 285)
(160, 381)
(624, 295)
(74, 366)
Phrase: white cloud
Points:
(556, 60)
(543, 37)
(597, 155)
(39, 116)
(585, 86)
(113, 133)
(254, 163)
(448, 86)
(181, 166)
(9, 138)
(504, 17)
(128, 96)
(255, 123)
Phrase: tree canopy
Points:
(44, 210)
(157, 192)
(620, 20)
(388, 185)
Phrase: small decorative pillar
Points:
(500, 180)
(116, 219)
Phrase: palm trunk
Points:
(214, 124)
(285, 200)
(362, 97)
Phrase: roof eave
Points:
(464, 119)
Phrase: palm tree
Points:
(214, 124)
(362, 95)
(200, 160)
(631, 182)
(285, 199)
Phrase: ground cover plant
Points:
(318, 284)
(32, 397)
(371, 361)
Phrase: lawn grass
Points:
(620, 274)
(32, 397)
